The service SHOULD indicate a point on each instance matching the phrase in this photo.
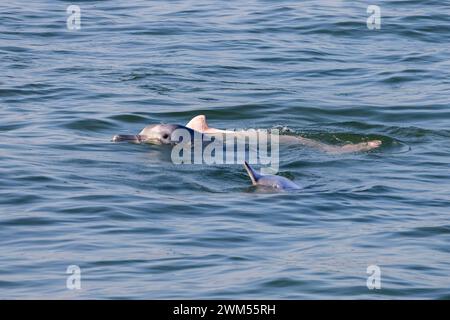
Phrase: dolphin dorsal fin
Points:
(198, 123)
(254, 176)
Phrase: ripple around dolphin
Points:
(389, 145)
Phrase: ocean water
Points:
(140, 227)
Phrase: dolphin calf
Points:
(164, 134)
(272, 181)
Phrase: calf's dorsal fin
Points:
(254, 176)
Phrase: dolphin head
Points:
(157, 134)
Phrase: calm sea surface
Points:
(139, 226)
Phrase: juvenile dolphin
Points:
(272, 181)
(163, 134)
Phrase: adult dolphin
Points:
(198, 123)
(155, 134)
(164, 134)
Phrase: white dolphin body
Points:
(198, 123)
(161, 134)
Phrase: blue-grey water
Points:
(139, 226)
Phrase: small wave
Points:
(94, 125)
(129, 118)
(426, 231)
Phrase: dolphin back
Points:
(272, 181)
(277, 182)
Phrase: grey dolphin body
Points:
(158, 134)
(271, 181)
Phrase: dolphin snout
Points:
(128, 138)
